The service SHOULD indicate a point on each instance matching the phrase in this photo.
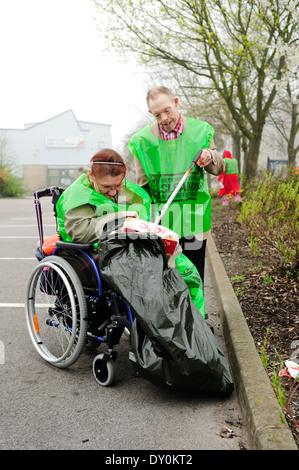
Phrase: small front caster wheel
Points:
(103, 371)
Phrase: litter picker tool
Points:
(173, 195)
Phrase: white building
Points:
(51, 153)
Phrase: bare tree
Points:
(231, 46)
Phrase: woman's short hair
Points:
(107, 162)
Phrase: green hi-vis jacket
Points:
(81, 192)
(231, 166)
(165, 163)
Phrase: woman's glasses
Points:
(107, 189)
(104, 188)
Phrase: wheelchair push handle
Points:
(43, 192)
(53, 191)
(48, 192)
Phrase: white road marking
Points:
(15, 305)
(17, 236)
(31, 217)
(26, 225)
(4, 305)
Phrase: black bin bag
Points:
(171, 343)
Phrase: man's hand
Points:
(205, 158)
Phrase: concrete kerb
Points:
(259, 406)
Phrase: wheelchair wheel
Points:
(56, 312)
(104, 371)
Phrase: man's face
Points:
(165, 110)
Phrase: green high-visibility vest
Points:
(231, 166)
(165, 163)
(80, 192)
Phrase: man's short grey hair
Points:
(158, 90)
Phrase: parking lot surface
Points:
(44, 408)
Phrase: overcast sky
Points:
(52, 60)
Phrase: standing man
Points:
(163, 152)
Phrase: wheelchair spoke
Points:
(55, 311)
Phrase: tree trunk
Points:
(250, 163)
(244, 147)
(292, 137)
(236, 151)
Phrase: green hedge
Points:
(270, 212)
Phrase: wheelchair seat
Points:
(75, 246)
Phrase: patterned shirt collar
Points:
(175, 133)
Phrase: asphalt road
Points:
(44, 408)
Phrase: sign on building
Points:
(64, 142)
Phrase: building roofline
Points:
(12, 129)
(92, 122)
(49, 119)
(54, 117)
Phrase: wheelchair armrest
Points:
(75, 246)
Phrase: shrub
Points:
(10, 185)
(214, 192)
(271, 213)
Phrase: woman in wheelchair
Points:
(94, 286)
(99, 201)
(103, 189)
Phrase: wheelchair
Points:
(68, 307)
